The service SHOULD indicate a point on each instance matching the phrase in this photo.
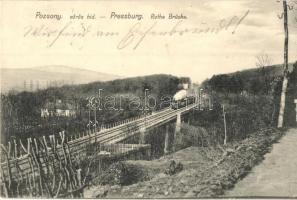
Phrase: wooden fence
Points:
(55, 168)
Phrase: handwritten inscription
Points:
(67, 31)
(137, 34)
(134, 36)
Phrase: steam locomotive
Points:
(182, 99)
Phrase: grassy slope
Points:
(207, 172)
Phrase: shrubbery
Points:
(122, 173)
(244, 115)
(191, 136)
(248, 109)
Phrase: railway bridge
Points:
(23, 162)
(140, 125)
(107, 135)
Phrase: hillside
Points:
(31, 79)
(121, 99)
(256, 89)
(253, 81)
(272, 71)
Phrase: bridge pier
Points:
(177, 129)
(178, 123)
(142, 135)
(166, 145)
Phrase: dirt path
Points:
(276, 176)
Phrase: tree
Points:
(263, 60)
(285, 79)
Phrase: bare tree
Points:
(285, 80)
(263, 60)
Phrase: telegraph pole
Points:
(225, 127)
(285, 80)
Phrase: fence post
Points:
(45, 143)
(28, 145)
(15, 149)
(9, 149)
(21, 144)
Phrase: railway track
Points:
(112, 135)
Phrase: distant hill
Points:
(31, 79)
(255, 81)
(272, 71)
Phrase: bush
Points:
(173, 168)
(191, 136)
(121, 173)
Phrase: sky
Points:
(27, 41)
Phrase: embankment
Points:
(207, 171)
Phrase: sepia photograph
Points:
(171, 99)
